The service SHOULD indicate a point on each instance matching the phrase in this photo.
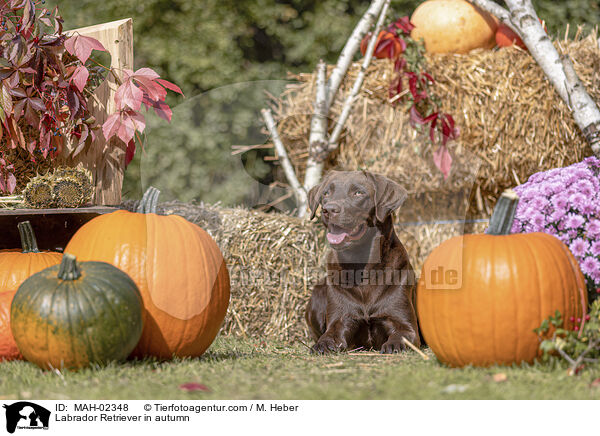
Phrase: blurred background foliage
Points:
(206, 45)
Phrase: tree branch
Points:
(318, 131)
(351, 47)
(286, 164)
(347, 107)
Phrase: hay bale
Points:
(512, 123)
(274, 261)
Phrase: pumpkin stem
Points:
(504, 214)
(69, 270)
(149, 201)
(28, 241)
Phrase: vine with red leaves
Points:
(46, 80)
(411, 86)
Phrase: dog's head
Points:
(352, 202)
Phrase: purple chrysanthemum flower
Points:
(560, 202)
(579, 247)
(585, 187)
(577, 200)
(589, 208)
(593, 228)
(590, 266)
(573, 221)
(557, 215)
(595, 250)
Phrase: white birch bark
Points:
(358, 82)
(351, 47)
(286, 164)
(521, 17)
(318, 131)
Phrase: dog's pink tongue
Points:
(336, 238)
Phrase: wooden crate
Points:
(106, 161)
(53, 227)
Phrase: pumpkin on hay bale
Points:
(512, 125)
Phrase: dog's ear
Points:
(315, 195)
(388, 196)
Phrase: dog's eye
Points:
(326, 193)
(359, 193)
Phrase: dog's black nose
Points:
(331, 208)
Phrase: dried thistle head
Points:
(38, 193)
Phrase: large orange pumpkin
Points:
(453, 26)
(8, 346)
(18, 265)
(177, 267)
(480, 297)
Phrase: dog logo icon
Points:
(26, 415)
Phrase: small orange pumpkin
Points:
(505, 36)
(16, 266)
(8, 346)
(177, 267)
(480, 297)
(453, 26)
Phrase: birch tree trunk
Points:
(351, 47)
(522, 18)
(318, 131)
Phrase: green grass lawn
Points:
(249, 369)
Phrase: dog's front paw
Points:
(393, 346)
(326, 345)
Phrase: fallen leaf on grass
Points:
(500, 377)
(190, 387)
(595, 383)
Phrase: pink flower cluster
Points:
(565, 202)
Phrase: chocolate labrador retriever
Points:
(368, 297)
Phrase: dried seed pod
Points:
(38, 193)
(68, 192)
(83, 177)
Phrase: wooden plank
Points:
(53, 227)
(105, 160)
(79, 210)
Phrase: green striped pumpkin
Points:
(73, 315)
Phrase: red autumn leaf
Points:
(429, 77)
(145, 73)
(110, 126)
(138, 120)
(412, 84)
(400, 64)
(82, 46)
(170, 85)
(190, 387)
(595, 383)
(443, 160)
(126, 128)
(12, 183)
(415, 117)
(80, 77)
(162, 110)
(154, 90)
(129, 152)
(404, 25)
(432, 119)
(128, 94)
